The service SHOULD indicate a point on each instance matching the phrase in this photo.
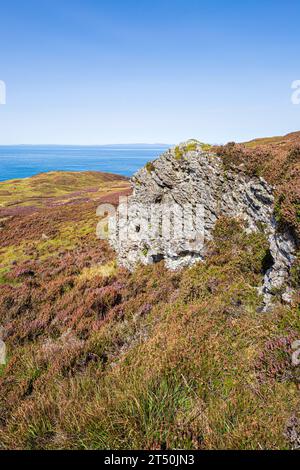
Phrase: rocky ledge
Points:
(189, 177)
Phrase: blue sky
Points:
(111, 71)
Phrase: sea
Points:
(26, 160)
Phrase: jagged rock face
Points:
(187, 178)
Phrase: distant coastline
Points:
(129, 146)
(21, 161)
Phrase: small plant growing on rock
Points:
(191, 145)
(150, 167)
(178, 153)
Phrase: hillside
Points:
(101, 358)
(57, 189)
(276, 143)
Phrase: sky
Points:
(91, 72)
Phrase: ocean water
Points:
(22, 161)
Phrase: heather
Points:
(101, 358)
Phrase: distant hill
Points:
(139, 146)
(276, 143)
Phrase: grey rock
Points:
(187, 178)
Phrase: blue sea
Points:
(26, 160)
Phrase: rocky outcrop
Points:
(194, 187)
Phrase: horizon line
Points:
(88, 145)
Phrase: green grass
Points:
(36, 190)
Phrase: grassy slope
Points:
(41, 189)
(100, 358)
(60, 212)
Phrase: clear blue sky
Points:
(120, 71)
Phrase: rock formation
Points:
(186, 179)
